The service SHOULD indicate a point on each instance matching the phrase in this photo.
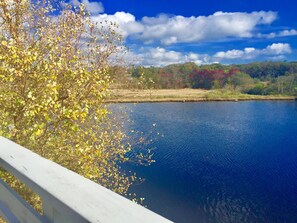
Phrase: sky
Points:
(163, 32)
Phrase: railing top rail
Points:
(75, 195)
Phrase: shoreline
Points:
(187, 95)
(195, 100)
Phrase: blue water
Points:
(220, 161)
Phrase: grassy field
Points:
(185, 95)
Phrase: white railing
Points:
(66, 196)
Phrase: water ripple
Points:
(221, 162)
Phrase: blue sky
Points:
(162, 32)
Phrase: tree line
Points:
(260, 78)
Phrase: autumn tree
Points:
(54, 77)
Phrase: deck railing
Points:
(66, 196)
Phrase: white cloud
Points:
(291, 32)
(230, 54)
(246, 53)
(159, 56)
(169, 30)
(92, 7)
(280, 57)
(126, 21)
(249, 50)
(221, 25)
(275, 49)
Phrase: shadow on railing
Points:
(66, 196)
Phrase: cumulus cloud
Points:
(158, 56)
(126, 21)
(275, 49)
(221, 25)
(164, 30)
(169, 30)
(291, 32)
(92, 7)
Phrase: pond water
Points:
(220, 161)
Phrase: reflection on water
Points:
(221, 161)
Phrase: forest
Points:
(258, 78)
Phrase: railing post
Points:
(14, 209)
(54, 215)
(51, 214)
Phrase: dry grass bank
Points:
(185, 95)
